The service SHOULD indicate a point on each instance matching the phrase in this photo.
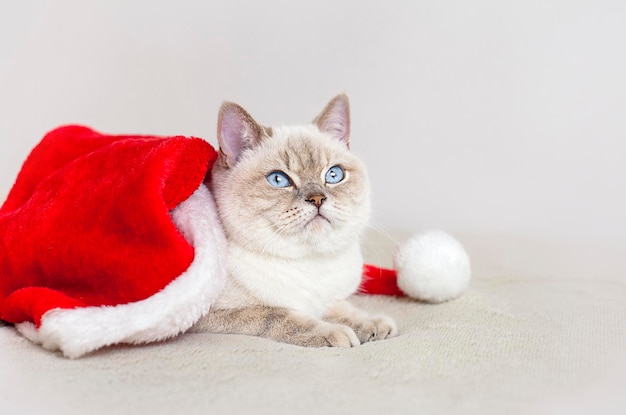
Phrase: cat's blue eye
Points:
(278, 179)
(334, 175)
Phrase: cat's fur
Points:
(293, 252)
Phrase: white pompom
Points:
(432, 266)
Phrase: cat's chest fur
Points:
(311, 284)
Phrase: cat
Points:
(293, 202)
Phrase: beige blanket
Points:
(542, 329)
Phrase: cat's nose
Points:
(317, 200)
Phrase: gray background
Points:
(483, 117)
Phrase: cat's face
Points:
(290, 191)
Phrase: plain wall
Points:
(479, 116)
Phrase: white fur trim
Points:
(165, 314)
(433, 267)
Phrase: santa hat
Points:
(431, 266)
(108, 239)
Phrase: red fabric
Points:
(378, 280)
(87, 221)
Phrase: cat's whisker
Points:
(376, 251)
(382, 232)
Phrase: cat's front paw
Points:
(375, 328)
(331, 335)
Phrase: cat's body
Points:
(293, 202)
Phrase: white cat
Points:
(294, 202)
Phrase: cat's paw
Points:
(330, 335)
(375, 328)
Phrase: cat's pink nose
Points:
(316, 199)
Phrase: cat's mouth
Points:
(317, 221)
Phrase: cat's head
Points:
(290, 191)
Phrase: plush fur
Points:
(171, 311)
(293, 252)
(432, 266)
(89, 254)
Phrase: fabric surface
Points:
(542, 329)
(87, 222)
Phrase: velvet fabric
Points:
(87, 222)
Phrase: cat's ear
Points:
(236, 131)
(335, 119)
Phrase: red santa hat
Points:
(108, 239)
(430, 266)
